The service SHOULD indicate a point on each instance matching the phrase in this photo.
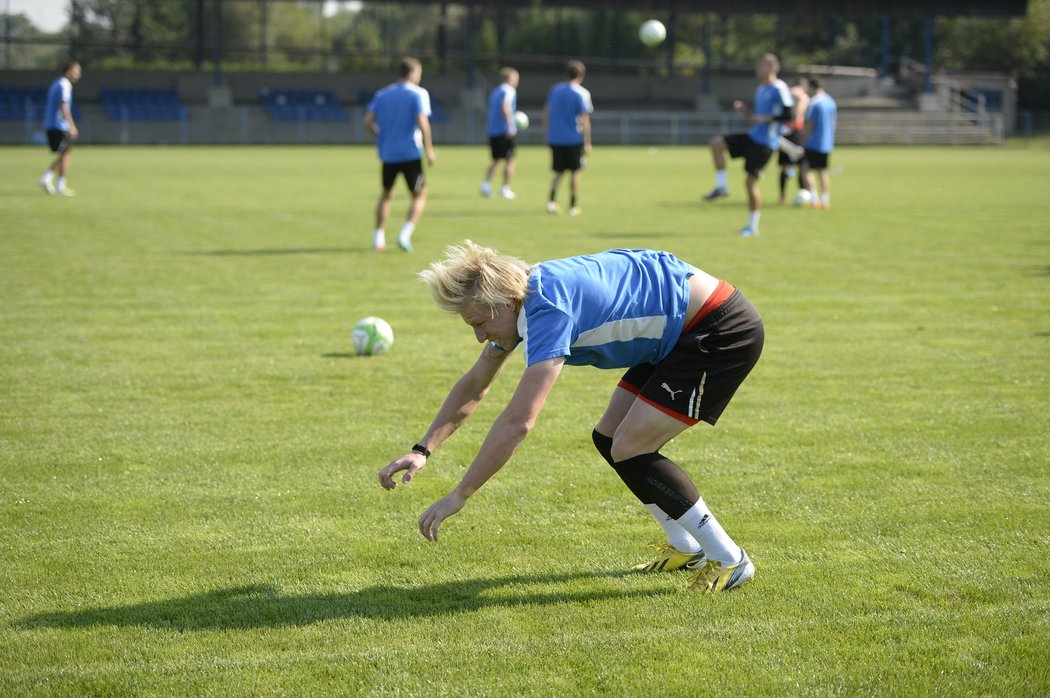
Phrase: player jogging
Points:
(820, 140)
(686, 338)
(399, 118)
(501, 129)
(567, 116)
(773, 104)
(61, 129)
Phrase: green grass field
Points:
(188, 448)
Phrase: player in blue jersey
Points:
(61, 129)
(399, 118)
(773, 103)
(821, 119)
(567, 116)
(501, 130)
(686, 339)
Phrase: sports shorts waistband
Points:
(719, 296)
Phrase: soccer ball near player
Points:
(372, 336)
(521, 120)
(652, 33)
(804, 197)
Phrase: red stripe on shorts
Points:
(719, 296)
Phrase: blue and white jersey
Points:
(497, 121)
(397, 108)
(61, 90)
(822, 113)
(613, 309)
(773, 100)
(565, 102)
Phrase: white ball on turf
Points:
(804, 197)
(652, 32)
(521, 120)
(372, 336)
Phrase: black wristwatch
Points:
(420, 448)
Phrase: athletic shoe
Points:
(749, 232)
(404, 242)
(486, 189)
(553, 208)
(506, 193)
(574, 211)
(717, 576)
(379, 242)
(716, 193)
(47, 186)
(671, 559)
(65, 191)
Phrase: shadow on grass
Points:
(276, 251)
(261, 606)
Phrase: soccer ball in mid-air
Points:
(521, 120)
(804, 197)
(652, 33)
(372, 336)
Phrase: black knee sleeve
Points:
(604, 445)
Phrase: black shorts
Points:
(816, 159)
(502, 147)
(566, 157)
(413, 171)
(59, 141)
(711, 359)
(755, 156)
(785, 159)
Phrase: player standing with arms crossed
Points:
(61, 129)
(501, 129)
(399, 118)
(567, 117)
(773, 104)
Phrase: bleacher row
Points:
(165, 105)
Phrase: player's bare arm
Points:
(585, 127)
(369, 123)
(428, 145)
(507, 432)
(462, 401)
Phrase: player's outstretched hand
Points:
(440, 510)
(411, 462)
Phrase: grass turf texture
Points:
(188, 448)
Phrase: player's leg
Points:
(754, 204)
(825, 187)
(386, 195)
(574, 193)
(508, 174)
(681, 551)
(417, 185)
(486, 186)
(719, 147)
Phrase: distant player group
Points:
(398, 117)
(798, 122)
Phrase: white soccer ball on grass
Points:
(804, 197)
(521, 120)
(372, 336)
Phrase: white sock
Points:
(406, 231)
(486, 186)
(48, 176)
(721, 179)
(61, 184)
(703, 526)
(752, 220)
(825, 198)
(379, 239)
(677, 536)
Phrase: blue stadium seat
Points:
(141, 104)
(309, 105)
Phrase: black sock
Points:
(783, 182)
(656, 479)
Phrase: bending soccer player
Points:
(686, 338)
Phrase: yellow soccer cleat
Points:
(671, 559)
(716, 576)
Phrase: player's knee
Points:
(604, 445)
(622, 450)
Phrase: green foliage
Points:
(188, 449)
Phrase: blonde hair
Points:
(471, 273)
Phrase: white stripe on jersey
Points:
(623, 331)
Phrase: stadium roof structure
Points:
(839, 8)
